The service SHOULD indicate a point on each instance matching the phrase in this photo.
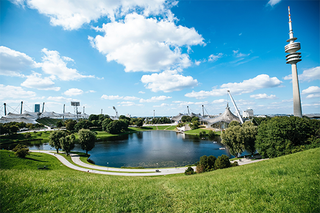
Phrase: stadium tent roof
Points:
(226, 117)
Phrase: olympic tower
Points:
(293, 58)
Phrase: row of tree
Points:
(273, 137)
(13, 127)
(61, 140)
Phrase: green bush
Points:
(222, 162)
(189, 171)
(21, 151)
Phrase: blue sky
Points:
(141, 56)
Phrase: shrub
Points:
(234, 164)
(222, 162)
(91, 161)
(21, 151)
(189, 171)
(202, 134)
(211, 134)
(205, 164)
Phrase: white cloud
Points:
(35, 80)
(273, 2)
(239, 54)
(12, 92)
(219, 101)
(197, 62)
(141, 92)
(13, 63)
(73, 92)
(213, 57)
(91, 91)
(263, 96)
(117, 97)
(312, 91)
(128, 103)
(161, 105)
(247, 86)
(155, 99)
(307, 75)
(168, 81)
(72, 15)
(146, 44)
(61, 99)
(56, 66)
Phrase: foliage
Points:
(222, 162)
(195, 125)
(105, 123)
(189, 171)
(206, 164)
(202, 134)
(250, 133)
(139, 122)
(21, 151)
(247, 124)
(186, 118)
(59, 124)
(67, 143)
(284, 135)
(234, 123)
(83, 124)
(117, 126)
(194, 119)
(70, 124)
(159, 120)
(180, 124)
(9, 128)
(211, 134)
(87, 139)
(54, 139)
(233, 137)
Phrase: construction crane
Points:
(116, 111)
(235, 106)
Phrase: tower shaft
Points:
(296, 92)
(293, 58)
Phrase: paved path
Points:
(113, 171)
(244, 161)
(123, 172)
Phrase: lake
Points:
(150, 149)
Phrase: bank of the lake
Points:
(285, 184)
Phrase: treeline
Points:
(14, 127)
(273, 137)
(193, 121)
(103, 122)
(159, 120)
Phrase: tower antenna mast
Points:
(293, 58)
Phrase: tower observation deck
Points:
(293, 58)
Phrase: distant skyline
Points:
(142, 55)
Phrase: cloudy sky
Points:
(143, 55)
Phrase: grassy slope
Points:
(285, 184)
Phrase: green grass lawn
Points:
(197, 131)
(285, 184)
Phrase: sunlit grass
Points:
(285, 184)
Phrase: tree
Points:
(234, 123)
(83, 124)
(87, 139)
(283, 135)
(105, 123)
(233, 137)
(70, 124)
(189, 171)
(54, 139)
(250, 133)
(206, 164)
(139, 122)
(59, 124)
(67, 143)
(195, 125)
(194, 119)
(222, 162)
(93, 117)
(247, 123)
(117, 126)
(186, 118)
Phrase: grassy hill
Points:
(286, 184)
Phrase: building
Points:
(248, 113)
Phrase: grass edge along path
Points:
(289, 183)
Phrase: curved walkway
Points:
(113, 171)
(122, 172)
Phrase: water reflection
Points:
(150, 149)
